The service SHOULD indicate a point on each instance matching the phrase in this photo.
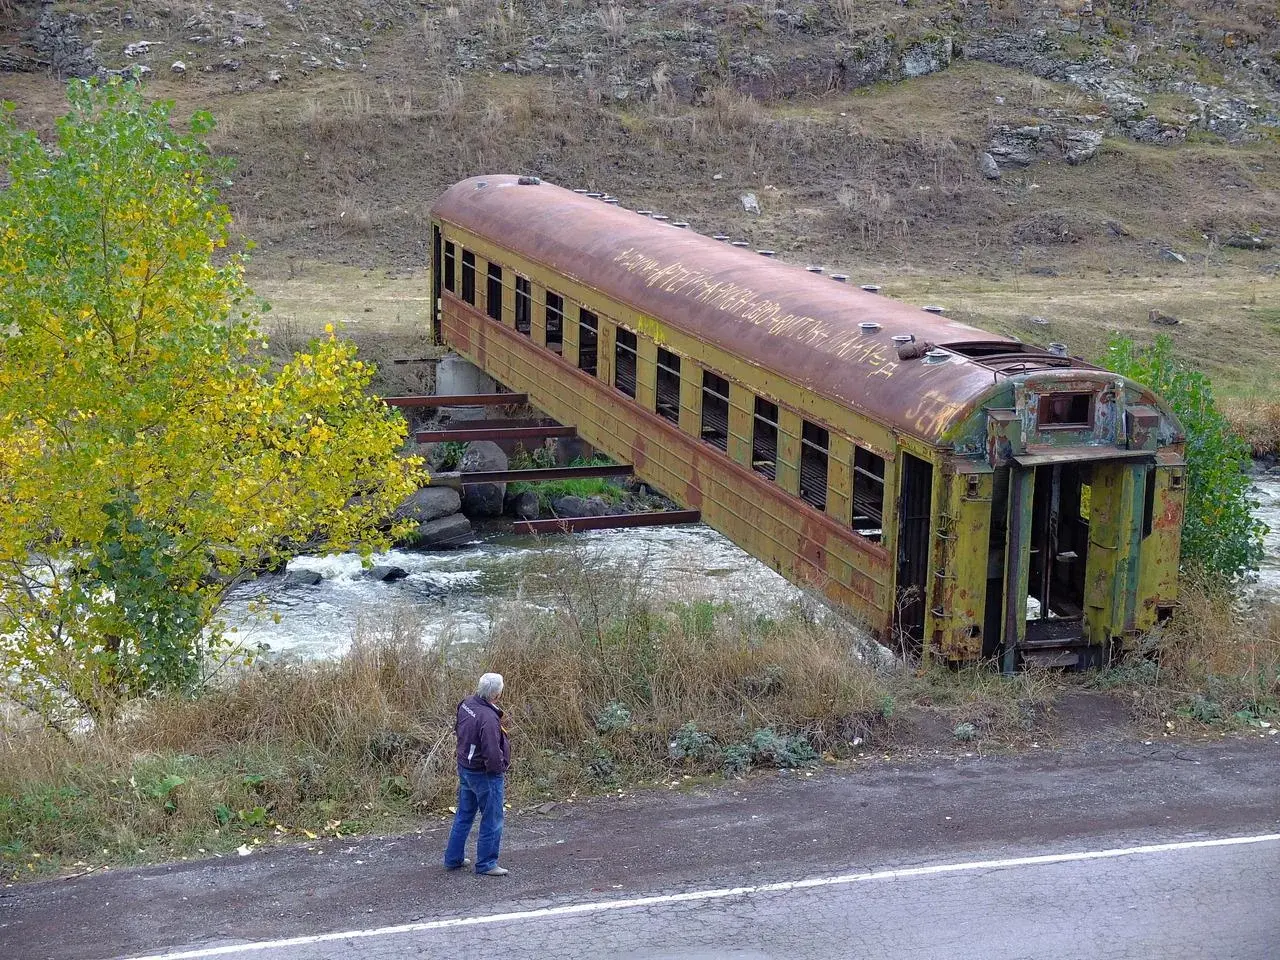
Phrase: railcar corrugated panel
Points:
(764, 381)
(974, 420)
(798, 541)
(774, 315)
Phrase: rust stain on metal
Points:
(984, 416)
(660, 518)
(771, 313)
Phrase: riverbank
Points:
(610, 689)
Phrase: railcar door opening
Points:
(1042, 570)
(914, 518)
(1058, 553)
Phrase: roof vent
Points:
(741, 243)
(934, 308)
(645, 213)
(903, 338)
(871, 287)
(814, 269)
(765, 253)
(682, 224)
(722, 237)
(595, 196)
(839, 277)
(661, 216)
(936, 356)
(529, 181)
(868, 326)
(580, 190)
(612, 201)
(1058, 349)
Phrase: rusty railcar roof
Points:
(803, 326)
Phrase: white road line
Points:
(695, 896)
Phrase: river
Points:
(452, 594)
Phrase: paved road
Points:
(1048, 855)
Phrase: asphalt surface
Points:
(958, 832)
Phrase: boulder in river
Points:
(430, 503)
(302, 578)
(386, 573)
(483, 499)
(525, 506)
(441, 534)
(571, 507)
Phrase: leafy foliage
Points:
(149, 455)
(1220, 536)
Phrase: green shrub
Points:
(1221, 537)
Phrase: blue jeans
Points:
(478, 792)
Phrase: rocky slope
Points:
(1079, 143)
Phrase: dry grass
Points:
(596, 689)
(607, 686)
(1257, 419)
(387, 314)
(1217, 662)
(1084, 312)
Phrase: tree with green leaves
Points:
(1220, 537)
(150, 456)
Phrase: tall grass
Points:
(1257, 421)
(607, 686)
(600, 679)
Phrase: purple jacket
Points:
(482, 742)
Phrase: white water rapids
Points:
(452, 594)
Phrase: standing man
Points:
(483, 758)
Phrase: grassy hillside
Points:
(346, 125)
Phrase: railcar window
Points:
(715, 410)
(625, 363)
(469, 277)
(588, 341)
(555, 323)
(493, 292)
(450, 256)
(668, 395)
(524, 306)
(764, 438)
(1066, 410)
(814, 444)
(868, 494)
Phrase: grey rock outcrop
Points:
(928, 56)
(988, 167)
(1245, 241)
(1081, 145)
(57, 38)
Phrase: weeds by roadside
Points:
(1217, 663)
(608, 687)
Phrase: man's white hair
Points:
(490, 686)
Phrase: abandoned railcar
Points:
(959, 491)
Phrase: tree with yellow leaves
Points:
(149, 455)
